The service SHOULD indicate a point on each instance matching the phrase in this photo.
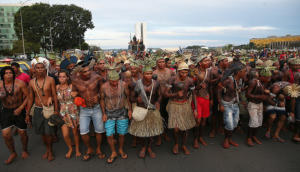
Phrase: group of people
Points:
(145, 101)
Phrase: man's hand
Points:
(129, 114)
(104, 117)
(221, 108)
(17, 111)
(27, 120)
(195, 114)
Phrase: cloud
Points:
(190, 31)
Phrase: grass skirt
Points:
(180, 115)
(151, 126)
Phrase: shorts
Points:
(40, 124)
(88, 114)
(122, 127)
(203, 109)
(8, 119)
(231, 115)
(255, 114)
(276, 110)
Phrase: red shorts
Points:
(202, 107)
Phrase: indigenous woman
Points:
(69, 112)
(152, 124)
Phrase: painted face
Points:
(147, 75)
(101, 65)
(206, 62)
(161, 64)
(133, 69)
(85, 73)
(62, 78)
(113, 83)
(183, 73)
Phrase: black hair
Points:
(233, 69)
(15, 64)
(3, 70)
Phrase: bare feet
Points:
(100, 154)
(233, 143)
(69, 154)
(78, 154)
(123, 154)
(151, 153)
(226, 144)
(175, 149)
(11, 158)
(268, 135)
(25, 155)
(250, 142)
(212, 134)
(255, 139)
(142, 153)
(201, 140)
(45, 156)
(50, 156)
(185, 150)
(196, 144)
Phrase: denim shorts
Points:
(231, 115)
(88, 114)
(122, 127)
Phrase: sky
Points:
(174, 23)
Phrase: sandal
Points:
(86, 157)
(268, 135)
(111, 159)
(101, 155)
(142, 154)
(123, 155)
(278, 139)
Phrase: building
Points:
(7, 32)
(278, 42)
(141, 32)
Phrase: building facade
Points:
(278, 42)
(7, 32)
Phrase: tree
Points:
(69, 23)
(85, 46)
(30, 47)
(65, 23)
(35, 23)
(6, 52)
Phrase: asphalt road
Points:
(270, 156)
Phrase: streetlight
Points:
(22, 4)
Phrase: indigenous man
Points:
(147, 95)
(181, 117)
(100, 69)
(13, 95)
(114, 95)
(163, 75)
(42, 93)
(217, 74)
(228, 98)
(20, 75)
(256, 95)
(87, 84)
(203, 92)
(295, 100)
